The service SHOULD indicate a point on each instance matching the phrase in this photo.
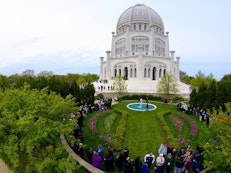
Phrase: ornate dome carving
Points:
(140, 13)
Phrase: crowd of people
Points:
(169, 159)
(197, 111)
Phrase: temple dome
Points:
(140, 13)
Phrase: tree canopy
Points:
(167, 85)
(217, 151)
(119, 85)
(30, 127)
(211, 93)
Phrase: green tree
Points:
(45, 73)
(183, 75)
(3, 81)
(217, 151)
(211, 96)
(202, 95)
(88, 93)
(224, 91)
(30, 127)
(167, 85)
(194, 98)
(119, 85)
(200, 78)
(28, 72)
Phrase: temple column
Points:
(178, 69)
(108, 75)
(172, 65)
(113, 45)
(140, 67)
(128, 43)
(101, 68)
(151, 41)
(167, 45)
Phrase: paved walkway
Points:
(4, 168)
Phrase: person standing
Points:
(168, 163)
(144, 168)
(120, 161)
(160, 163)
(128, 165)
(149, 159)
(89, 154)
(126, 153)
(81, 151)
(100, 150)
(97, 160)
(137, 164)
(109, 161)
(181, 152)
(163, 149)
(179, 164)
(146, 103)
(187, 164)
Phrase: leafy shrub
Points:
(109, 120)
(166, 131)
(99, 96)
(177, 99)
(144, 96)
(119, 136)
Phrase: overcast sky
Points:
(69, 36)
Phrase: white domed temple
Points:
(139, 53)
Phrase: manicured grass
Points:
(143, 131)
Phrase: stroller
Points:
(196, 167)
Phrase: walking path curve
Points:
(82, 162)
(4, 168)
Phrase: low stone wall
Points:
(85, 164)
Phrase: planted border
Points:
(177, 122)
(93, 121)
(193, 125)
(166, 131)
(119, 137)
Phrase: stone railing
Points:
(85, 164)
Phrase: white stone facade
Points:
(139, 52)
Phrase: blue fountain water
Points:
(141, 106)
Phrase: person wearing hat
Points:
(160, 163)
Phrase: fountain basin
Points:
(141, 106)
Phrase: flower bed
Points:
(182, 141)
(107, 137)
(93, 121)
(178, 123)
(193, 125)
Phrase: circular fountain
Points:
(141, 106)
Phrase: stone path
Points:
(4, 168)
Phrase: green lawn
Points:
(143, 132)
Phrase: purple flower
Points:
(193, 125)
(93, 121)
(178, 122)
(107, 137)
